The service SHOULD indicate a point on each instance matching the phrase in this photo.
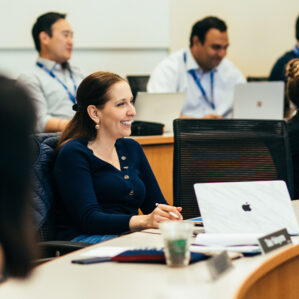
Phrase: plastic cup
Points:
(177, 237)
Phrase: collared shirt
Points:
(172, 75)
(50, 97)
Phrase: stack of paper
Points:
(246, 243)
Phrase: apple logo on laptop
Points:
(246, 207)
(259, 103)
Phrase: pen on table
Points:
(171, 213)
(227, 112)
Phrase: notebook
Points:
(151, 256)
(159, 107)
(257, 207)
(141, 255)
(259, 100)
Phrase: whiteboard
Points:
(96, 23)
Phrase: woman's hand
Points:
(159, 214)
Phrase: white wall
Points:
(123, 36)
(121, 61)
(259, 30)
(97, 23)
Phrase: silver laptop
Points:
(259, 100)
(246, 207)
(159, 107)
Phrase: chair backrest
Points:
(275, 278)
(44, 145)
(137, 83)
(229, 150)
(256, 79)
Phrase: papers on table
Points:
(227, 239)
(105, 251)
(245, 243)
(231, 242)
(210, 249)
(112, 251)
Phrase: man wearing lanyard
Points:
(278, 70)
(201, 71)
(52, 82)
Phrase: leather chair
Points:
(44, 145)
(137, 83)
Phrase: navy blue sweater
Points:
(278, 70)
(96, 197)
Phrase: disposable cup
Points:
(177, 237)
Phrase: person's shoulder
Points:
(28, 74)
(229, 70)
(75, 143)
(129, 143)
(293, 124)
(177, 56)
(178, 53)
(73, 147)
(77, 70)
(31, 75)
(173, 58)
(286, 57)
(166, 72)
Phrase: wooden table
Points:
(159, 152)
(62, 279)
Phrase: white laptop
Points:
(259, 100)
(259, 207)
(159, 107)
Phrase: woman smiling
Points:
(103, 178)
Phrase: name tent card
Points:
(219, 264)
(275, 240)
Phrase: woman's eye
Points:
(120, 104)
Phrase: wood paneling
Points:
(276, 278)
(159, 152)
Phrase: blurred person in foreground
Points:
(17, 237)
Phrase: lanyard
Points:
(71, 96)
(198, 83)
(296, 50)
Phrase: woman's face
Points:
(117, 115)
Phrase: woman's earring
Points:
(97, 126)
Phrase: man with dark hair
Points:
(201, 71)
(52, 82)
(278, 71)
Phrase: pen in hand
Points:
(171, 213)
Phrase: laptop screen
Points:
(159, 107)
(259, 100)
(246, 207)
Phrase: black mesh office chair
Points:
(227, 150)
(137, 83)
(43, 146)
(256, 79)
